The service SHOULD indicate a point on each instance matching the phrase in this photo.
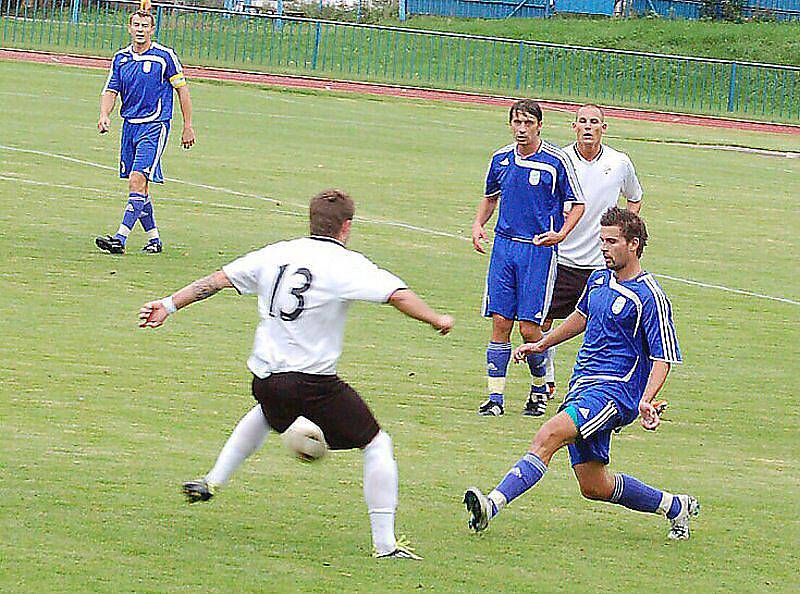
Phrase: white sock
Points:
(247, 437)
(380, 491)
(550, 364)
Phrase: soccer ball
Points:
(305, 440)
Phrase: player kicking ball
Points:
(628, 347)
(304, 289)
(144, 75)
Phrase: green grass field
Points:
(101, 422)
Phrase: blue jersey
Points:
(628, 326)
(532, 190)
(145, 82)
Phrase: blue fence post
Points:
(76, 9)
(520, 57)
(159, 12)
(402, 10)
(732, 88)
(279, 22)
(315, 55)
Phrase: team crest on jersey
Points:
(534, 177)
(146, 67)
(504, 161)
(618, 304)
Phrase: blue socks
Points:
(634, 494)
(133, 211)
(522, 476)
(498, 354)
(148, 221)
(537, 363)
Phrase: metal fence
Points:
(503, 9)
(413, 57)
(484, 9)
(778, 10)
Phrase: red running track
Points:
(307, 82)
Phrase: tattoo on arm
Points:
(205, 287)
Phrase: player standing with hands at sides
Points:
(304, 289)
(144, 75)
(604, 175)
(533, 181)
(628, 348)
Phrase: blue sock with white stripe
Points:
(498, 354)
(133, 211)
(537, 363)
(634, 494)
(522, 476)
(148, 221)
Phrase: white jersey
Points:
(603, 179)
(305, 287)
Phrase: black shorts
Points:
(343, 416)
(569, 288)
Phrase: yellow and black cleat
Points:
(198, 490)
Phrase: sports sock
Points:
(380, 491)
(148, 220)
(132, 212)
(498, 354)
(522, 476)
(247, 437)
(550, 362)
(537, 363)
(634, 494)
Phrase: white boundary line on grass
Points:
(368, 220)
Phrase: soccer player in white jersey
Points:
(605, 174)
(628, 349)
(304, 289)
(145, 75)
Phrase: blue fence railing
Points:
(502, 9)
(351, 51)
(484, 9)
(678, 9)
(779, 10)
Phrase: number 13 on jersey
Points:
(297, 292)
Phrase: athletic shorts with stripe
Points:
(331, 403)
(596, 416)
(519, 285)
(141, 148)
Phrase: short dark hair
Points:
(593, 106)
(526, 106)
(630, 225)
(328, 211)
(145, 14)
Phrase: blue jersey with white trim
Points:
(532, 190)
(628, 326)
(145, 82)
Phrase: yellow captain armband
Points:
(177, 81)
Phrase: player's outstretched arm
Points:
(153, 313)
(410, 304)
(658, 377)
(107, 100)
(187, 136)
(485, 211)
(569, 328)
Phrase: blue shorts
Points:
(596, 416)
(141, 149)
(520, 282)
